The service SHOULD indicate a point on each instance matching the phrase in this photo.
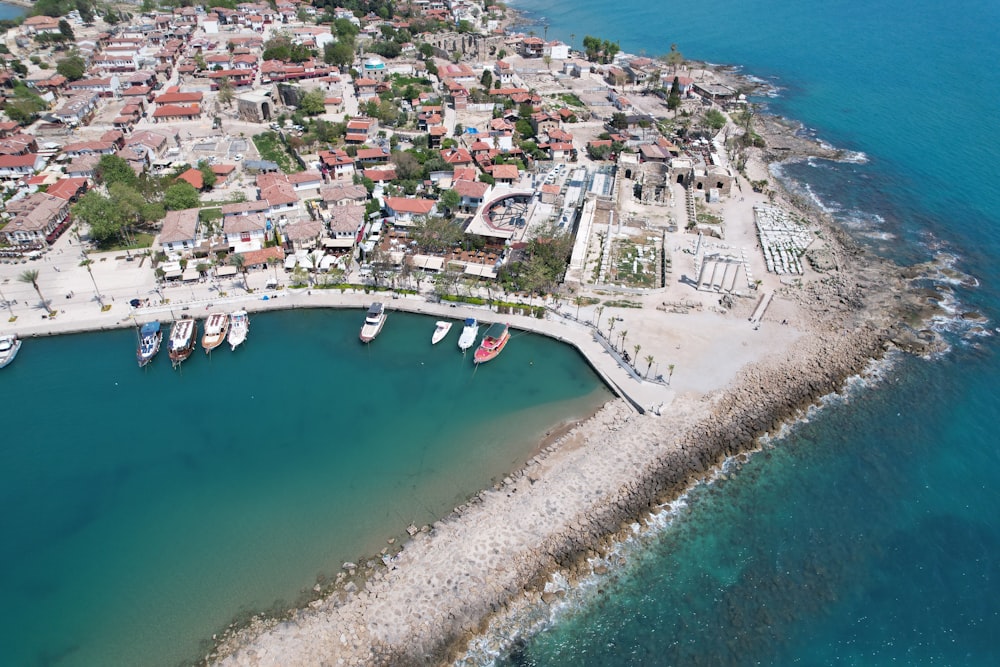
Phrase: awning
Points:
(191, 274)
(482, 270)
(428, 262)
(343, 242)
(227, 270)
(172, 275)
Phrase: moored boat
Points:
(374, 321)
(183, 338)
(441, 330)
(216, 328)
(469, 333)
(9, 346)
(239, 327)
(493, 343)
(150, 337)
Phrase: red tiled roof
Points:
(67, 188)
(194, 177)
(172, 111)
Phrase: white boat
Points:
(9, 345)
(440, 331)
(183, 338)
(469, 333)
(239, 327)
(374, 321)
(216, 328)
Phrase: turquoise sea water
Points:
(11, 11)
(868, 536)
(143, 510)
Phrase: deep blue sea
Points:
(141, 510)
(870, 534)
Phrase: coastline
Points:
(573, 502)
(388, 615)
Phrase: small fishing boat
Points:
(493, 343)
(441, 330)
(239, 327)
(9, 346)
(150, 337)
(216, 328)
(374, 321)
(183, 338)
(469, 333)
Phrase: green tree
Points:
(72, 67)
(450, 200)
(180, 196)
(86, 13)
(240, 262)
(113, 169)
(674, 98)
(66, 30)
(226, 92)
(208, 176)
(19, 67)
(408, 167)
(313, 103)
(31, 276)
(101, 215)
(25, 105)
(674, 58)
(436, 233)
(486, 80)
(715, 119)
(619, 120)
(339, 53)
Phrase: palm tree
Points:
(597, 317)
(623, 335)
(274, 261)
(97, 290)
(611, 326)
(635, 359)
(670, 372)
(240, 262)
(649, 363)
(31, 276)
(10, 308)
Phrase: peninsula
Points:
(249, 157)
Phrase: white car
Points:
(238, 157)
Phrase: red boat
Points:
(493, 343)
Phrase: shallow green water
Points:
(144, 509)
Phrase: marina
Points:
(192, 503)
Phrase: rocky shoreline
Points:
(580, 496)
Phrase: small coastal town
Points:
(178, 170)
(160, 160)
